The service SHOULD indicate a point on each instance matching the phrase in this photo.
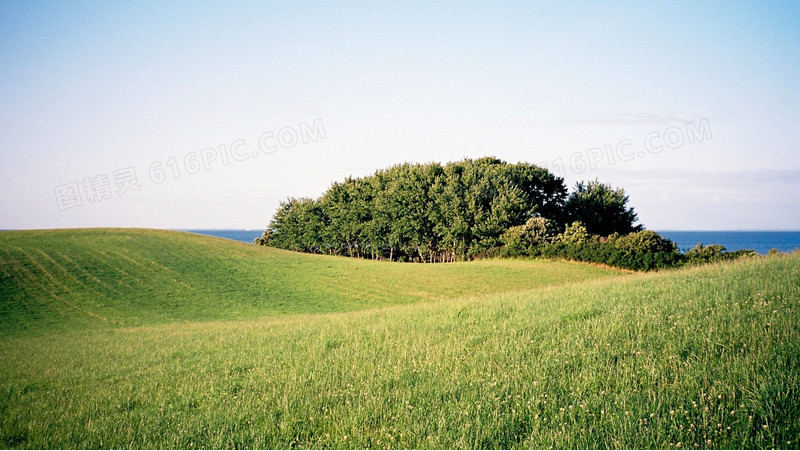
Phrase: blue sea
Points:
(760, 242)
(243, 235)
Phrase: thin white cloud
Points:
(632, 118)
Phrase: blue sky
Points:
(113, 113)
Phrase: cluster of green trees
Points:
(473, 208)
(439, 213)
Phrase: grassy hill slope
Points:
(696, 358)
(66, 279)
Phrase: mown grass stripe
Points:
(58, 266)
(49, 294)
(42, 270)
(84, 272)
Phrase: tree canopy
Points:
(437, 213)
(602, 209)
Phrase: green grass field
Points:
(78, 279)
(152, 339)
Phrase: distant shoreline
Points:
(759, 241)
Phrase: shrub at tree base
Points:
(535, 232)
(640, 251)
(609, 254)
(714, 252)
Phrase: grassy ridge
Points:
(698, 358)
(66, 279)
